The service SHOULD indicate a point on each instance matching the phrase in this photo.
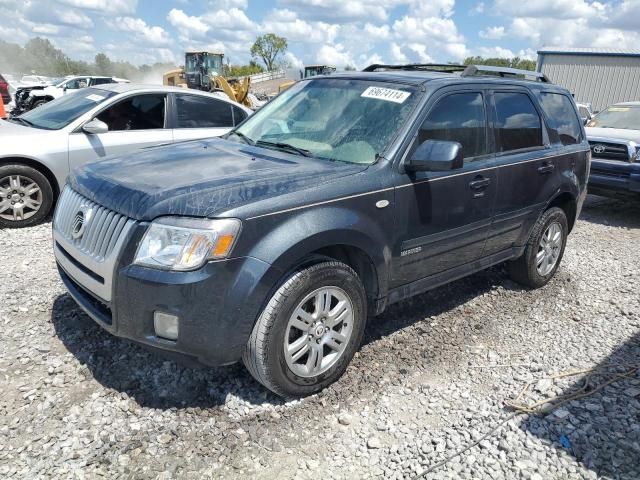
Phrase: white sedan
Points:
(38, 148)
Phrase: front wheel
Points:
(309, 331)
(544, 250)
(26, 196)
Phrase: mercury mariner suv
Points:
(344, 194)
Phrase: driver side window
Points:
(141, 112)
(459, 117)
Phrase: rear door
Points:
(527, 167)
(199, 116)
(443, 218)
(134, 122)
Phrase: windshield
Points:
(350, 121)
(619, 116)
(62, 111)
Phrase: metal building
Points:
(594, 75)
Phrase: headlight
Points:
(636, 157)
(174, 243)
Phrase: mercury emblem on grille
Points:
(80, 221)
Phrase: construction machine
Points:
(309, 71)
(206, 71)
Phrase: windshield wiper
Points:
(284, 146)
(243, 137)
(23, 121)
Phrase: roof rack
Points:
(473, 70)
(419, 67)
(465, 70)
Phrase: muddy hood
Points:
(202, 178)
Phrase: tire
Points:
(265, 355)
(527, 269)
(35, 206)
(38, 103)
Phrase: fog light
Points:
(165, 325)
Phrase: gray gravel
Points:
(431, 378)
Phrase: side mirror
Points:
(95, 127)
(436, 156)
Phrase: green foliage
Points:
(244, 70)
(268, 48)
(40, 57)
(515, 62)
(350, 68)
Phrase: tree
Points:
(103, 64)
(516, 62)
(268, 48)
(349, 68)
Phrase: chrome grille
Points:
(102, 231)
(611, 150)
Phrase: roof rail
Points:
(419, 67)
(472, 70)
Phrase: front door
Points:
(443, 218)
(199, 117)
(134, 122)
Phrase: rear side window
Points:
(459, 118)
(238, 115)
(562, 118)
(101, 81)
(195, 111)
(518, 125)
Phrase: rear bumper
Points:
(217, 306)
(612, 178)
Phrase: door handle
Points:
(546, 167)
(480, 183)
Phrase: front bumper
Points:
(217, 305)
(612, 177)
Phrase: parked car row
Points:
(346, 193)
(33, 96)
(40, 147)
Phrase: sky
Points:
(334, 32)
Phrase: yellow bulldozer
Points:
(206, 71)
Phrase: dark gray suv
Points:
(344, 194)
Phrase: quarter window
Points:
(518, 124)
(238, 115)
(562, 118)
(459, 118)
(195, 111)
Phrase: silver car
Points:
(40, 147)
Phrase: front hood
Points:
(10, 130)
(614, 134)
(202, 178)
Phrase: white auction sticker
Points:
(95, 98)
(388, 94)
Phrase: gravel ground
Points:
(431, 378)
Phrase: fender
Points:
(298, 234)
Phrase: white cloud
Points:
(185, 23)
(397, 54)
(339, 10)
(104, 6)
(335, 55)
(149, 35)
(492, 33)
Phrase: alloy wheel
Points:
(549, 249)
(318, 331)
(20, 198)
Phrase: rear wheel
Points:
(26, 196)
(544, 250)
(309, 331)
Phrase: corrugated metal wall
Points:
(599, 80)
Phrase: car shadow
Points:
(157, 380)
(611, 212)
(152, 379)
(602, 430)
